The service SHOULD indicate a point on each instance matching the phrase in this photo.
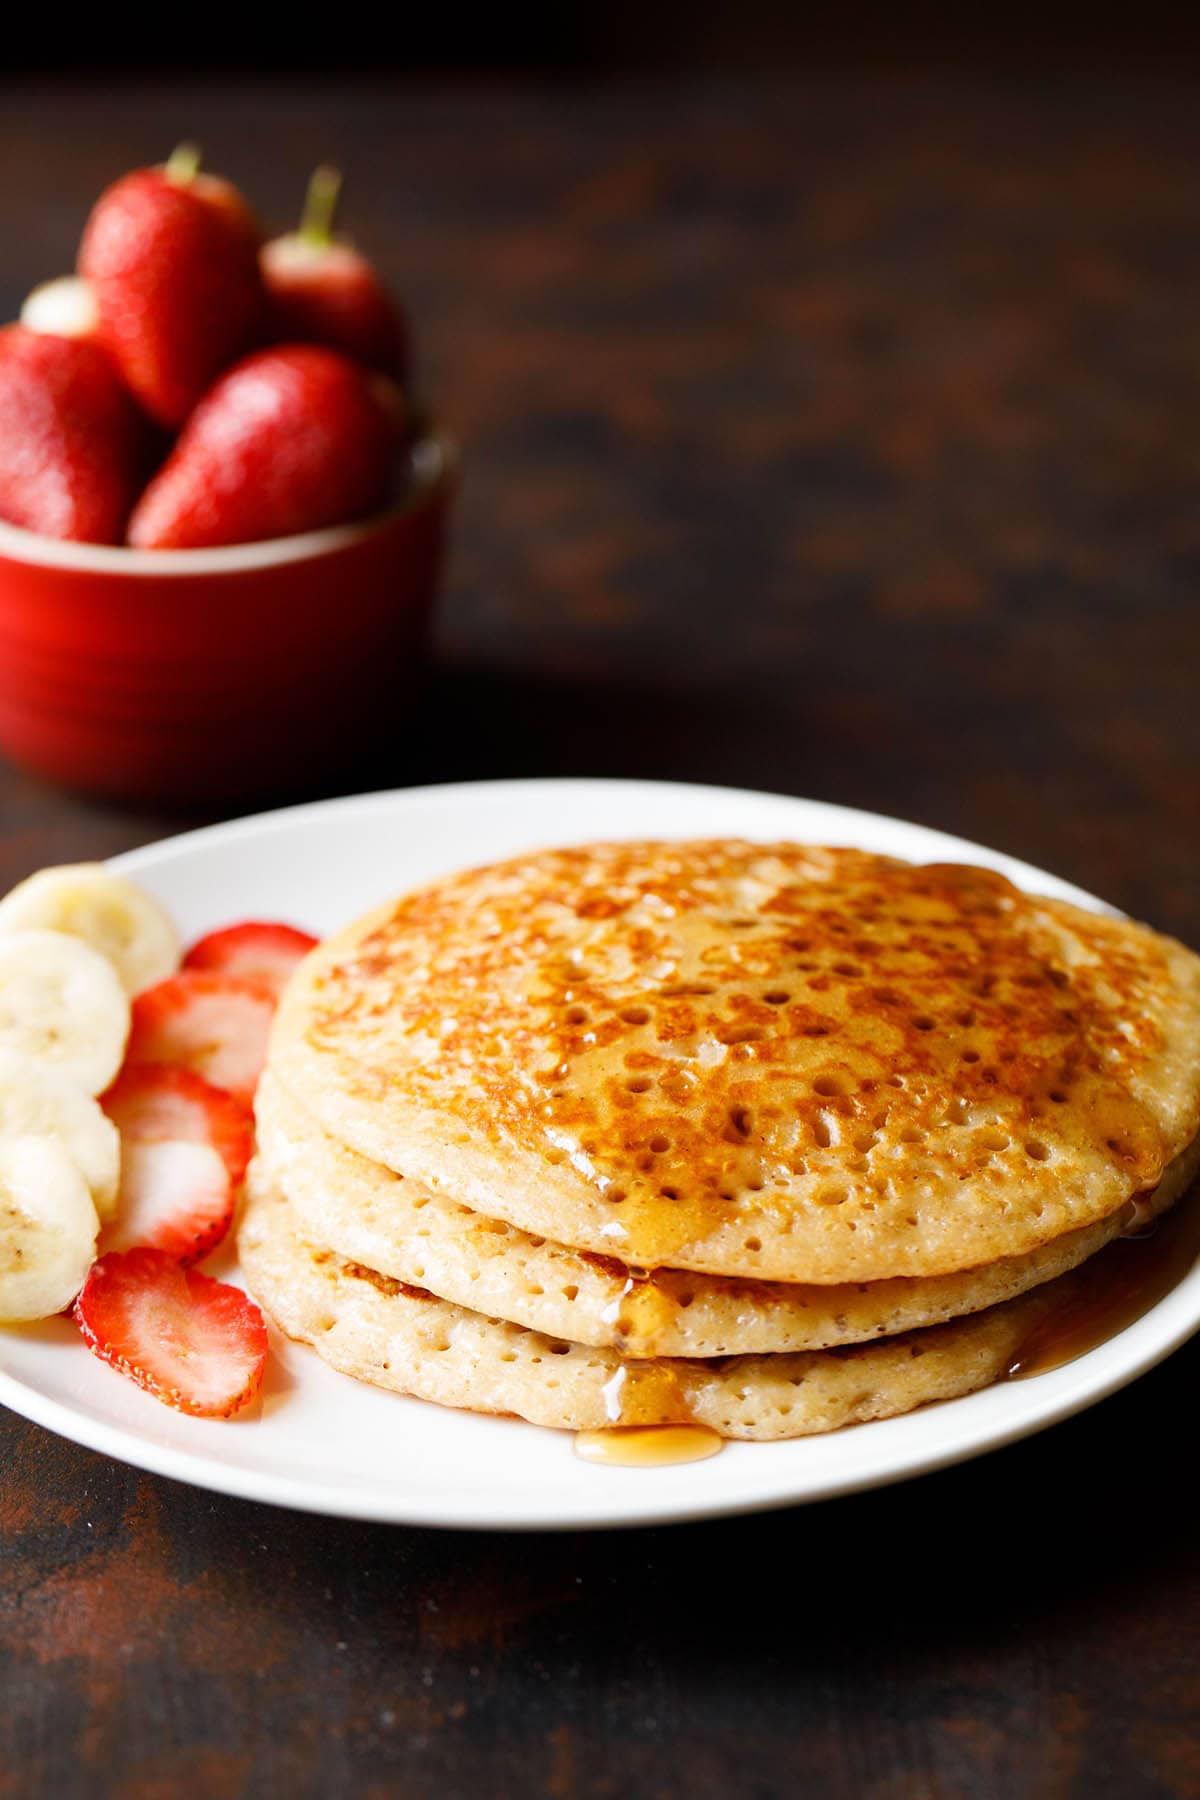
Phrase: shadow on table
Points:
(477, 723)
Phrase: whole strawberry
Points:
(321, 290)
(289, 440)
(172, 259)
(71, 441)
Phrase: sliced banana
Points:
(35, 1101)
(88, 901)
(48, 1229)
(61, 1004)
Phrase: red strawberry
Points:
(172, 258)
(253, 952)
(320, 290)
(289, 440)
(154, 1103)
(175, 1196)
(70, 438)
(184, 1150)
(194, 1343)
(213, 1024)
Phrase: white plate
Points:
(325, 1443)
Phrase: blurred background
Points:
(665, 35)
(827, 383)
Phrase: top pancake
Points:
(791, 1063)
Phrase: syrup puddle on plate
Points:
(1116, 1287)
(647, 1446)
(636, 1398)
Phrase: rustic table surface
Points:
(838, 438)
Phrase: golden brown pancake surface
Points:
(778, 1061)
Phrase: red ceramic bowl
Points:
(189, 675)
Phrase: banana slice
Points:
(35, 1101)
(61, 1004)
(88, 901)
(48, 1229)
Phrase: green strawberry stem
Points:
(183, 164)
(321, 204)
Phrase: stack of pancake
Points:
(771, 1139)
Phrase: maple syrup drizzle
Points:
(646, 1393)
(640, 1313)
(647, 1446)
(652, 1424)
(1113, 1289)
(1116, 1287)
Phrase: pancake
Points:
(368, 1215)
(790, 1064)
(403, 1338)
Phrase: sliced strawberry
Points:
(154, 1103)
(175, 1196)
(214, 1024)
(194, 1343)
(255, 951)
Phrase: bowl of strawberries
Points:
(222, 518)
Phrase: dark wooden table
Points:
(839, 438)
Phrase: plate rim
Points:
(1148, 1341)
(279, 817)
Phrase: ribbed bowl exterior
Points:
(212, 681)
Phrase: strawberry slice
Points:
(255, 951)
(194, 1343)
(216, 1025)
(154, 1103)
(175, 1196)
(184, 1149)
